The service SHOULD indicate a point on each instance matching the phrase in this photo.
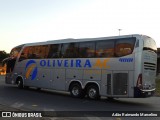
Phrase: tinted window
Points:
(35, 52)
(137, 43)
(31, 53)
(24, 54)
(149, 44)
(15, 51)
(54, 51)
(124, 46)
(105, 49)
(70, 50)
(40, 51)
(87, 49)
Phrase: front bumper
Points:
(138, 93)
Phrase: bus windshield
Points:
(14, 52)
(10, 62)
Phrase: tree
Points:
(3, 55)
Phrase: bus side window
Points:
(124, 46)
(38, 52)
(24, 54)
(105, 48)
(64, 50)
(137, 43)
(43, 52)
(54, 51)
(31, 53)
(87, 49)
(70, 50)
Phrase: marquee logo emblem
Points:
(31, 69)
(125, 59)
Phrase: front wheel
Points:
(20, 83)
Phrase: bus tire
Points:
(76, 90)
(93, 92)
(20, 83)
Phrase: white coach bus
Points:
(120, 66)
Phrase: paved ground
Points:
(14, 99)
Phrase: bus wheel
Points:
(93, 92)
(20, 83)
(76, 90)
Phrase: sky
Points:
(26, 21)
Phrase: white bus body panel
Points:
(117, 79)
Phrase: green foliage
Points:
(3, 55)
(158, 87)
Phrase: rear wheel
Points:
(20, 83)
(93, 92)
(76, 90)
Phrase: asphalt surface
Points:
(14, 99)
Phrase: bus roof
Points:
(68, 40)
(19, 46)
